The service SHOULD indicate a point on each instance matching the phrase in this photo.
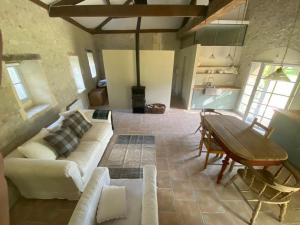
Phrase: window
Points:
(18, 82)
(262, 96)
(91, 63)
(77, 75)
(31, 87)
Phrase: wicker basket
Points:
(156, 108)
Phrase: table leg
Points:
(225, 164)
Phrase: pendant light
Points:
(212, 56)
(279, 74)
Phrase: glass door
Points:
(268, 95)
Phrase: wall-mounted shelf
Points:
(217, 70)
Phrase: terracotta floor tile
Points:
(163, 179)
(168, 218)
(165, 198)
(208, 202)
(218, 219)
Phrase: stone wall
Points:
(271, 22)
(27, 28)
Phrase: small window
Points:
(90, 57)
(77, 75)
(18, 82)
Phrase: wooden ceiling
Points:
(98, 17)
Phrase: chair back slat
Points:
(268, 130)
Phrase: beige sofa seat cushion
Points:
(85, 155)
(97, 132)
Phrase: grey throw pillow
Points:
(77, 123)
(64, 141)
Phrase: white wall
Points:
(184, 71)
(156, 75)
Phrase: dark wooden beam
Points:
(216, 9)
(75, 23)
(70, 20)
(133, 31)
(127, 11)
(67, 2)
(40, 3)
(137, 51)
(98, 28)
(186, 19)
(20, 57)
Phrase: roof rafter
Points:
(127, 10)
(70, 20)
(216, 9)
(98, 28)
(133, 31)
(67, 2)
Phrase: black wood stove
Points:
(138, 91)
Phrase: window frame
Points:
(93, 71)
(255, 89)
(26, 101)
(80, 87)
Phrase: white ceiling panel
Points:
(121, 24)
(89, 22)
(161, 22)
(48, 1)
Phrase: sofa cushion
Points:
(37, 150)
(77, 123)
(63, 141)
(98, 132)
(134, 188)
(56, 124)
(112, 204)
(86, 154)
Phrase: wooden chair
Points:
(202, 113)
(207, 138)
(267, 130)
(271, 186)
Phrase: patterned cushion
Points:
(64, 141)
(77, 123)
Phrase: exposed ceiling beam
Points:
(127, 10)
(216, 9)
(186, 19)
(109, 18)
(70, 20)
(133, 31)
(67, 2)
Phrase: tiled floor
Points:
(187, 195)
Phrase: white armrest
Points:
(44, 178)
(149, 205)
(86, 209)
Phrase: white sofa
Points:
(141, 197)
(63, 178)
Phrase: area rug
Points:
(129, 154)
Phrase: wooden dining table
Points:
(241, 143)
